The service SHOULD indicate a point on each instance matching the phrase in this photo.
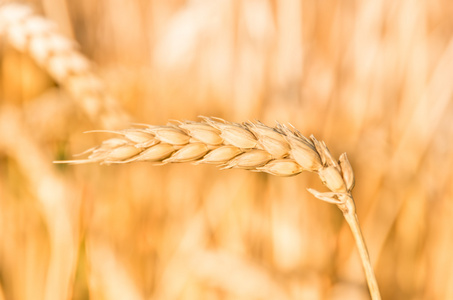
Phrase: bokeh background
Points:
(370, 78)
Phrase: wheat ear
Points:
(279, 150)
(60, 57)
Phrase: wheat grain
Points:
(276, 150)
(279, 150)
(61, 58)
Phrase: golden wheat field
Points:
(373, 79)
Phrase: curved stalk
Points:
(348, 209)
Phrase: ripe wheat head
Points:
(281, 150)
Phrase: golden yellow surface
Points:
(370, 78)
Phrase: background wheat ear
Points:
(60, 56)
(276, 150)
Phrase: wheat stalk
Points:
(60, 57)
(279, 150)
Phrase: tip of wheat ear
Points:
(280, 150)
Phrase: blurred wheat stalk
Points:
(59, 55)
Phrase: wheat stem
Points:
(350, 215)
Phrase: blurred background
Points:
(370, 78)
